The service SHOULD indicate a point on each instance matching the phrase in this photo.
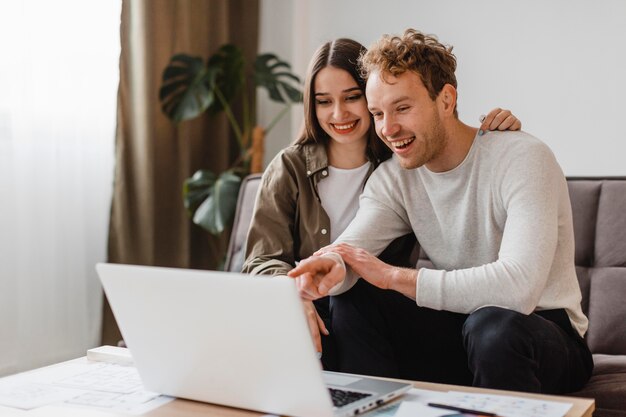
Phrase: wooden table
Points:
(582, 407)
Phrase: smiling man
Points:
(501, 306)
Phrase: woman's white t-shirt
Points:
(340, 196)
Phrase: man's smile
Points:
(402, 143)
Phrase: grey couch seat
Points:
(607, 385)
(599, 214)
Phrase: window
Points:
(59, 74)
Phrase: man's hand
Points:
(316, 275)
(375, 271)
(363, 263)
(316, 324)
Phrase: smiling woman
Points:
(58, 83)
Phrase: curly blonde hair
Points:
(413, 51)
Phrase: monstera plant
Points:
(191, 87)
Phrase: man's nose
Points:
(389, 127)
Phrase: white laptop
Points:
(230, 339)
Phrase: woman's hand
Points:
(499, 119)
(316, 324)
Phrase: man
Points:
(501, 307)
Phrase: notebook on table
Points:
(231, 339)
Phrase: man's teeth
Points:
(345, 126)
(403, 143)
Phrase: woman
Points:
(309, 192)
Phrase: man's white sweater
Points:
(498, 228)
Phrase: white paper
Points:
(80, 384)
(507, 406)
(61, 411)
(412, 409)
(415, 401)
(26, 394)
(12, 412)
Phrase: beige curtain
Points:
(149, 225)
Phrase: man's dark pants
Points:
(384, 333)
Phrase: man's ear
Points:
(447, 99)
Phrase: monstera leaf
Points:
(189, 87)
(211, 200)
(185, 92)
(275, 75)
(197, 188)
(228, 66)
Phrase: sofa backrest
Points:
(243, 215)
(599, 213)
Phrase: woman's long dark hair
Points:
(342, 54)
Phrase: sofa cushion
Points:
(607, 385)
(607, 311)
(584, 282)
(584, 196)
(610, 240)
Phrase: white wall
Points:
(556, 64)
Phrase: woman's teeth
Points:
(344, 126)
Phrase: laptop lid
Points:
(224, 338)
